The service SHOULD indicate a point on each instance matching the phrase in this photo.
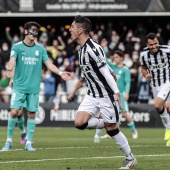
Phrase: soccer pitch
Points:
(69, 148)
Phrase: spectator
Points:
(56, 48)
(49, 86)
(15, 38)
(4, 54)
(4, 82)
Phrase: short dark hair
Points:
(29, 24)
(151, 36)
(120, 53)
(84, 22)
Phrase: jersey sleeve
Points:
(14, 52)
(142, 63)
(111, 70)
(98, 56)
(82, 75)
(109, 78)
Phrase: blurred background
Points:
(116, 25)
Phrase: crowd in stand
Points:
(63, 53)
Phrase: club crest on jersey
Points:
(120, 72)
(23, 52)
(94, 49)
(101, 59)
(162, 57)
(12, 52)
(37, 53)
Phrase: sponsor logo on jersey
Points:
(158, 66)
(37, 53)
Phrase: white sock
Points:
(9, 139)
(28, 142)
(95, 123)
(122, 143)
(98, 133)
(165, 118)
(24, 131)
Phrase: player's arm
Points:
(108, 76)
(10, 67)
(11, 79)
(145, 73)
(144, 69)
(112, 72)
(64, 75)
(77, 86)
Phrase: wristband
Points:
(60, 73)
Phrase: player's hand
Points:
(117, 98)
(11, 82)
(70, 97)
(66, 75)
(148, 76)
(9, 74)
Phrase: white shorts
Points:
(106, 106)
(162, 91)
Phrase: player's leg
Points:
(167, 130)
(128, 118)
(160, 95)
(161, 109)
(122, 143)
(85, 118)
(32, 107)
(21, 125)
(131, 125)
(98, 131)
(111, 117)
(12, 119)
(97, 135)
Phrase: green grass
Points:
(72, 149)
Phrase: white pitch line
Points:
(62, 159)
(85, 147)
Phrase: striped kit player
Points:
(102, 91)
(155, 62)
(92, 63)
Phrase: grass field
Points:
(72, 149)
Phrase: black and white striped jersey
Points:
(158, 65)
(95, 71)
